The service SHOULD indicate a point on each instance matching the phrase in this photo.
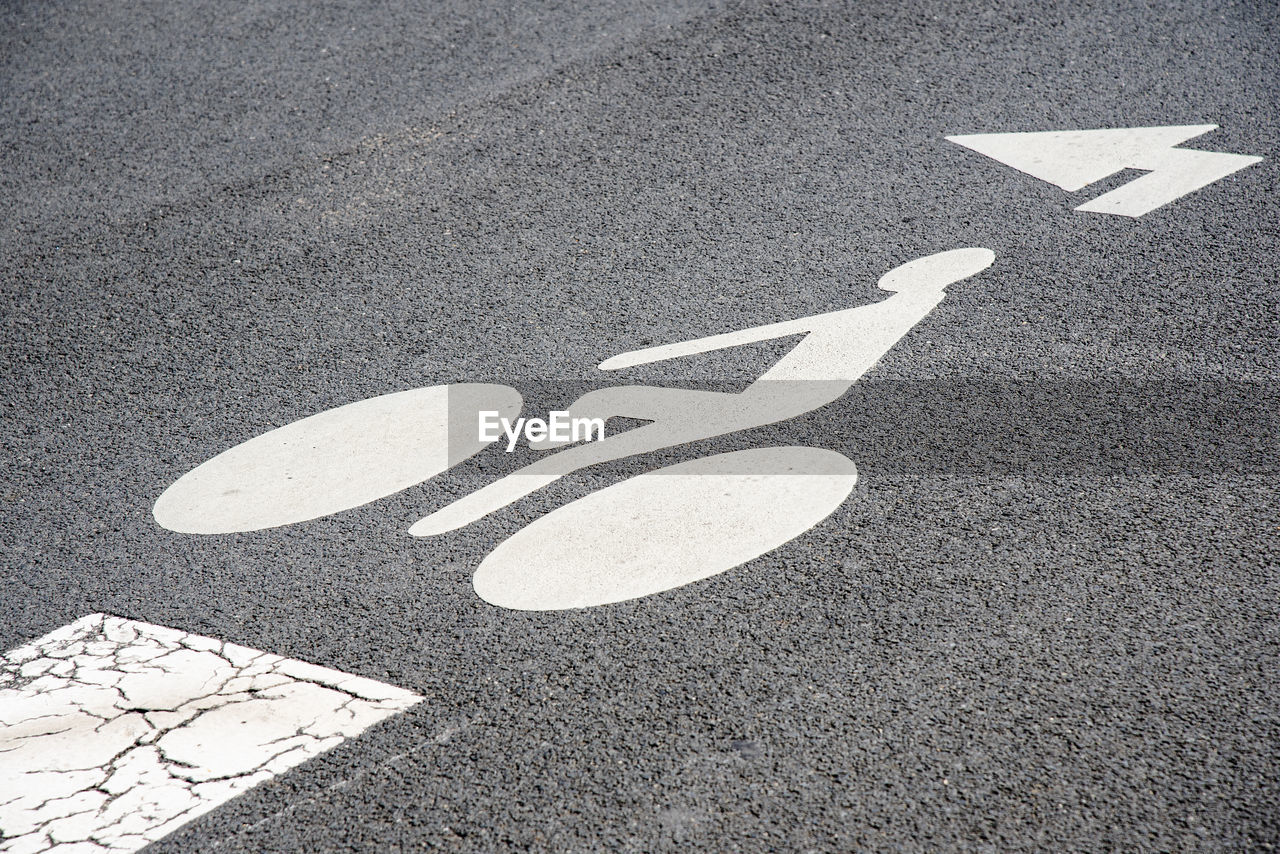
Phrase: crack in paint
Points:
(440, 738)
(117, 732)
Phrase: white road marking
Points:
(844, 344)
(709, 519)
(666, 528)
(115, 732)
(333, 461)
(1074, 159)
(839, 347)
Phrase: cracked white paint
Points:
(113, 733)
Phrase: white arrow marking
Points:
(113, 733)
(1074, 159)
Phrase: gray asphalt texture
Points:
(216, 218)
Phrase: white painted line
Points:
(113, 733)
(666, 528)
(1074, 159)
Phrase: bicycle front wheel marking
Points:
(334, 460)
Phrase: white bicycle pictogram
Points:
(649, 533)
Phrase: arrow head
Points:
(1074, 159)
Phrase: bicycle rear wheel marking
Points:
(666, 528)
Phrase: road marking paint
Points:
(366, 450)
(839, 347)
(666, 528)
(115, 732)
(334, 460)
(1074, 159)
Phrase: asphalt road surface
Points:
(1047, 619)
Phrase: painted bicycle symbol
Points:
(652, 532)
